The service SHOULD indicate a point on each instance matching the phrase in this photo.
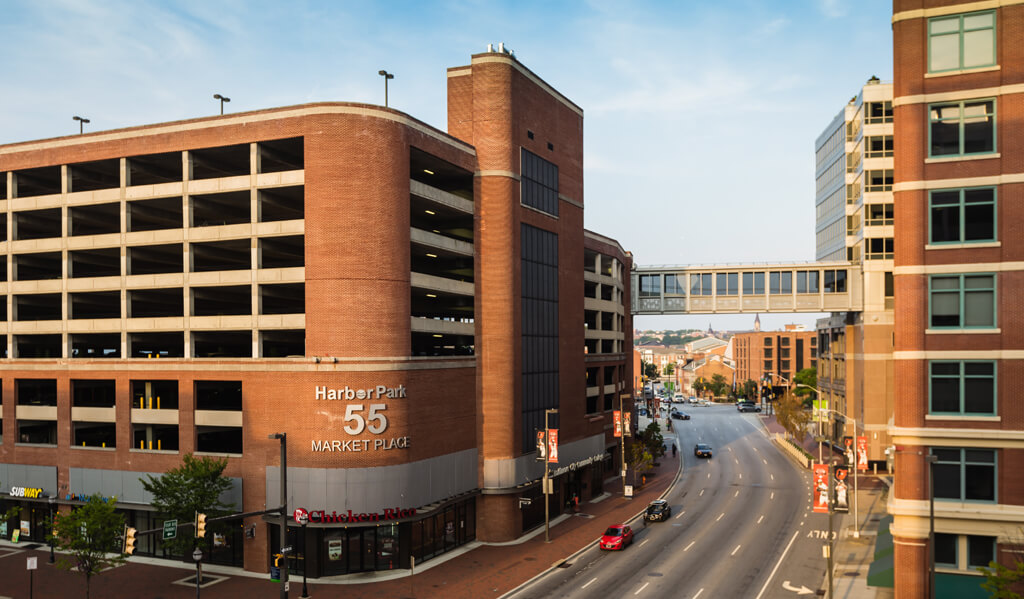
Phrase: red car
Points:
(617, 537)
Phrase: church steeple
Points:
(757, 322)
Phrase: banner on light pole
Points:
(842, 499)
(626, 417)
(553, 445)
(862, 453)
(617, 419)
(542, 447)
(821, 488)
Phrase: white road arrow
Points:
(801, 590)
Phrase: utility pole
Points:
(831, 510)
(547, 474)
(283, 437)
(622, 443)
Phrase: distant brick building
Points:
(782, 353)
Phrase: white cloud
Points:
(832, 8)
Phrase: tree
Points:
(669, 369)
(719, 385)
(790, 413)
(653, 440)
(749, 388)
(195, 486)
(92, 535)
(699, 387)
(650, 370)
(808, 377)
(1004, 582)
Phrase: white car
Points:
(677, 398)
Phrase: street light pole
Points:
(547, 474)
(283, 437)
(222, 100)
(81, 123)
(305, 561)
(386, 75)
(52, 500)
(622, 443)
(831, 511)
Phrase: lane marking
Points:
(641, 588)
(698, 594)
(701, 494)
(709, 475)
(692, 543)
(719, 516)
(741, 476)
(777, 564)
(735, 550)
(643, 542)
(588, 584)
(735, 460)
(772, 475)
(764, 460)
(761, 518)
(737, 493)
(680, 515)
(773, 495)
(729, 448)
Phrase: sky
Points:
(699, 116)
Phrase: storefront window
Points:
(387, 547)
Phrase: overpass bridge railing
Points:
(747, 288)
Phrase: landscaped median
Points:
(798, 453)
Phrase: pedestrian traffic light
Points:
(200, 525)
(129, 540)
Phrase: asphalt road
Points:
(740, 527)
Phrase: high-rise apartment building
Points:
(959, 327)
(854, 212)
(406, 303)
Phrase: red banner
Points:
(617, 419)
(862, 453)
(821, 488)
(553, 445)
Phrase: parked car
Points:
(680, 415)
(616, 537)
(658, 510)
(694, 400)
(702, 450)
(747, 406)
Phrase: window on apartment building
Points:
(962, 128)
(700, 284)
(675, 285)
(964, 473)
(768, 341)
(727, 283)
(879, 180)
(962, 215)
(539, 185)
(879, 214)
(963, 552)
(650, 285)
(852, 193)
(878, 146)
(835, 281)
(878, 112)
(963, 387)
(962, 301)
(852, 224)
(780, 282)
(753, 283)
(964, 41)
(807, 282)
(878, 248)
(768, 365)
(767, 352)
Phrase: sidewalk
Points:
(478, 571)
(852, 554)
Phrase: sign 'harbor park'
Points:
(370, 417)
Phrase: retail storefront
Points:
(28, 488)
(340, 543)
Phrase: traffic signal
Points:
(200, 525)
(129, 540)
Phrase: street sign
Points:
(170, 529)
(31, 563)
(301, 516)
(287, 549)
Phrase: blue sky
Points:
(700, 116)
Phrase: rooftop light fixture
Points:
(430, 212)
(386, 75)
(81, 122)
(222, 100)
(431, 255)
(428, 171)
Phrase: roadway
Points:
(740, 527)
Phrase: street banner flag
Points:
(862, 453)
(842, 501)
(821, 488)
(617, 419)
(553, 446)
(542, 447)
(626, 428)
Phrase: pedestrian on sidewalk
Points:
(673, 450)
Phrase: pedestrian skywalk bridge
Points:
(747, 288)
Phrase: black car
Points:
(680, 415)
(658, 510)
(702, 450)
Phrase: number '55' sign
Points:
(374, 421)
